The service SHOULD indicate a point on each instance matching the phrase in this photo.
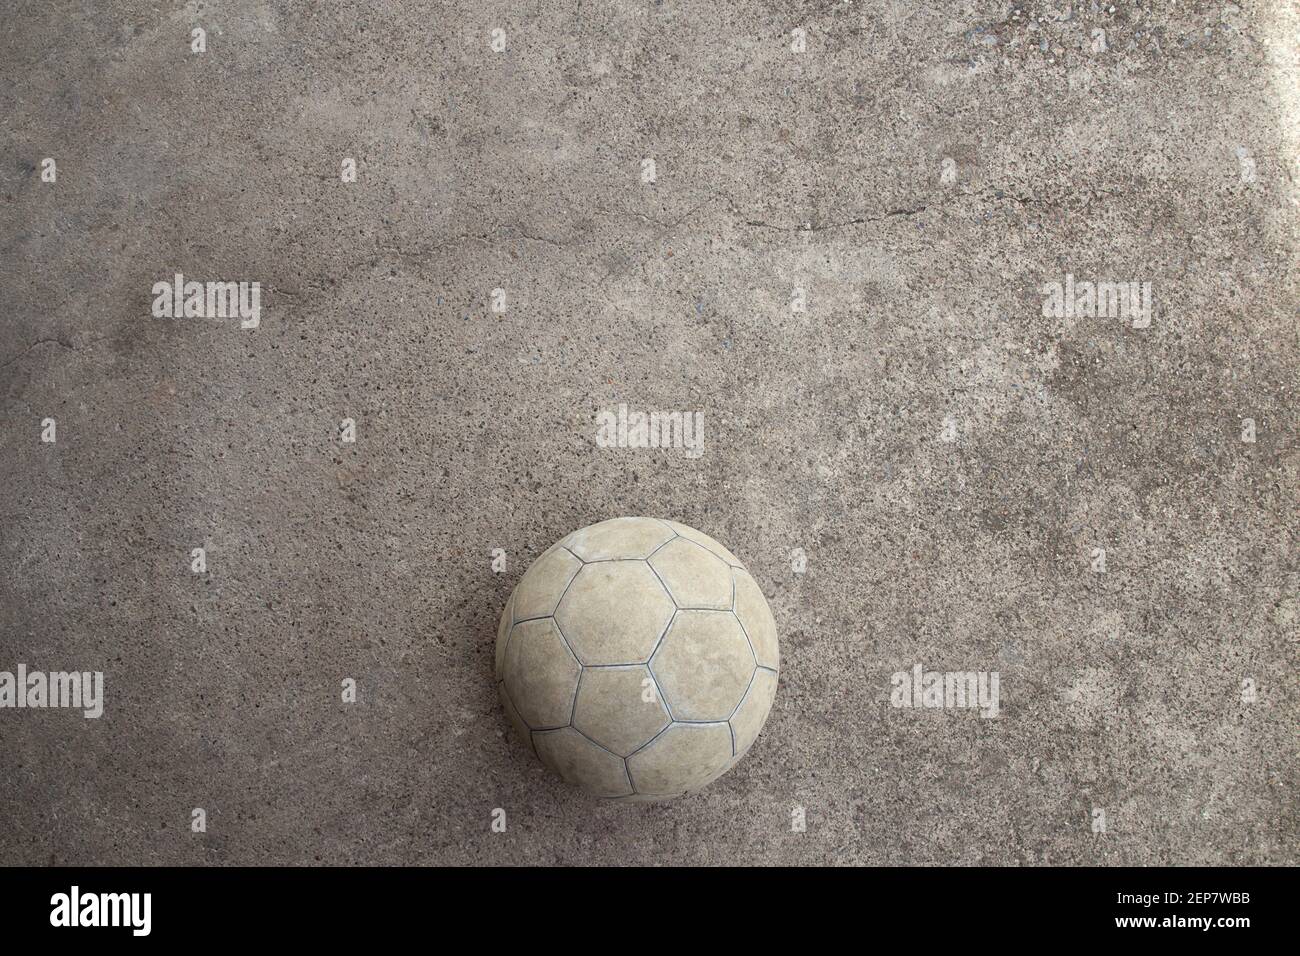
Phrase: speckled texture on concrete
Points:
(944, 456)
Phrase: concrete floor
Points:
(946, 457)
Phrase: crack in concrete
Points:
(861, 220)
(44, 341)
(990, 193)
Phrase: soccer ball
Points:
(637, 658)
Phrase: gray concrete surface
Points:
(1168, 157)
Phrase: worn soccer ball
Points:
(637, 658)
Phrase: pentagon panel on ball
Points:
(637, 658)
